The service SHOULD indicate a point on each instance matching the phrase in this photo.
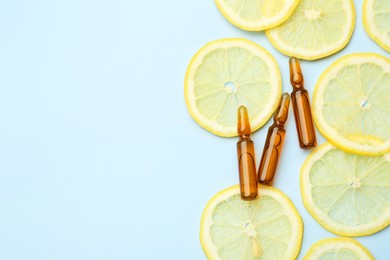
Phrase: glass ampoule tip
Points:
(243, 124)
(296, 75)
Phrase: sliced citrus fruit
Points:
(266, 228)
(256, 15)
(351, 103)
(338, 248)
(225, 74)
(376, 21)
(348, 194)
(316, 29)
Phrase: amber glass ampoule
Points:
(301, 106)
(274, 143)
(246, 156)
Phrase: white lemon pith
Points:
(225, 74)
(348, 194)
(338, 248)
(351, 103)
(256, 15)
(316, 29)
(376, 21)
(266, 228)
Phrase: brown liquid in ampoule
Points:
(246, 157)
(274, 143)
(301, 106)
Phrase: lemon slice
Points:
(225, 74)
(256, 15)
(316, 29)
(338, 248)
(351, 103)
(348, 194)
(376, 21)
(266, 228)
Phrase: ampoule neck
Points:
(297, 81)
(298, 89)
(244, 138)
(281, 113)
(279, 123)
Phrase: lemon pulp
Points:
(338, 248)
(376, 21)
(316, 29)
(348, 194)
(351, 105)
(266, 228)
(256, 15)
(225, 74)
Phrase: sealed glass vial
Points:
(246, 156)
(301, 106)
(274, 143)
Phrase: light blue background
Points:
(99, 158)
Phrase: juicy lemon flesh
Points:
(356, 102)
(351, 104)
(349, 193)
(255, 10)
(381, 9)
(376, 19)
(351, 189)
(250, 230)
(256, 15)
(227, 79)
(266, 228)
(317, 22)
(225, 74)
(315, 29)
(344, 253)
(337, 248)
